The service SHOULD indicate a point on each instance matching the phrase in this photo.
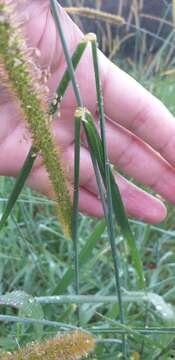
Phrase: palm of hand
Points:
(15, 140)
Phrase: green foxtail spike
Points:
(20, 78)
(70, 346)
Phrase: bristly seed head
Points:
(70, 346)
(21, 76)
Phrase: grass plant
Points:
(36, 258)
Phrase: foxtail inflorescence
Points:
(70, 346)
(21, 79)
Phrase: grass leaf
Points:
(107, 183)
(18, 186)
(119, 211)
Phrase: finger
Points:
(138, 203)
(15, 140)
(140, 161)
(129, 104)
(88, 202)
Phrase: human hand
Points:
(140, 130)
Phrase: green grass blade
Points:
(122, 219)
(96, 170)
(106, 163)
(119, 210)
(124, 329)
(100, 105)
(28, 320)
(19, 183)
(60, 91)
(111, 233)
(54, 9)
(84, 256)
(99, 184)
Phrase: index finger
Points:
(129, 104)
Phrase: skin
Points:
(140, 130)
